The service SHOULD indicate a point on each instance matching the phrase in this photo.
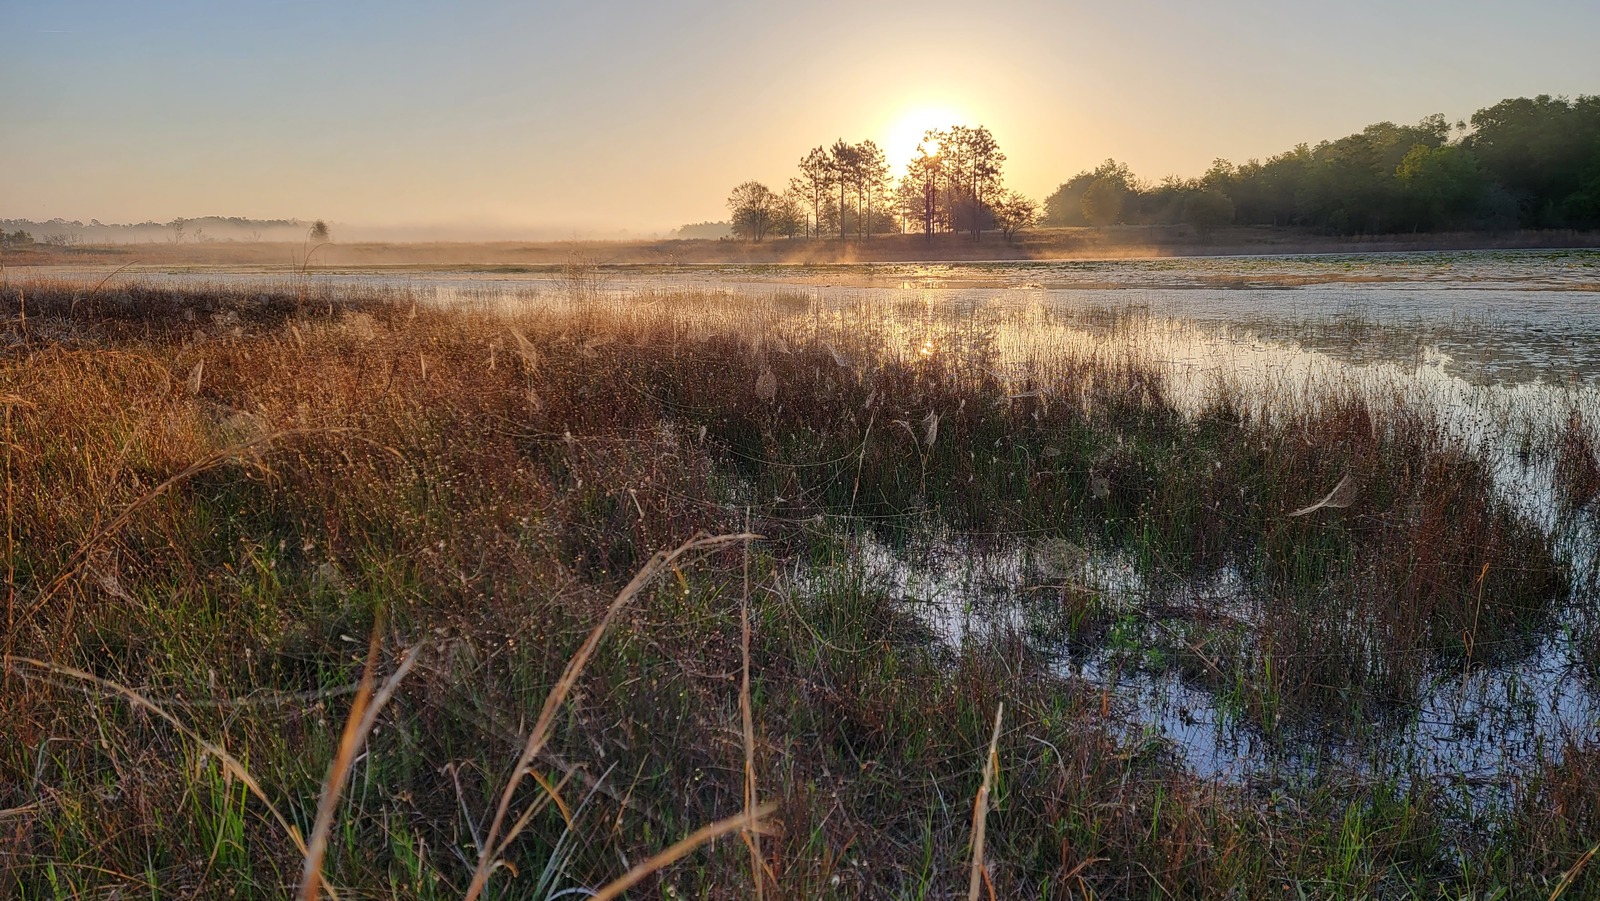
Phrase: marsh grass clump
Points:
(217, 499)
(1558, 818)
(1577, 467)
(1431, 570)
(118, 310)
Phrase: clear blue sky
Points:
(587, 117)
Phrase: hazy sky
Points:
(585, 117)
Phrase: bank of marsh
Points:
(216, 496)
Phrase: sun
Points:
(903, 133)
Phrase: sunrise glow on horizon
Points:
(567, 119)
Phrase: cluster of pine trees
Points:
(1522, 163)
(953, 184)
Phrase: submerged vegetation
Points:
(225, 505)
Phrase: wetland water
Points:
(1487, 316)
(1503, 346)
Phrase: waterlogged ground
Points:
(1473, 730)
(1503, 346)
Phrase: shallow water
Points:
(1477, 730)
(1492, 316)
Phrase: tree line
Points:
(1521, 163)
(198, 230)
(954, 183)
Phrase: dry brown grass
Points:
(1577, 473)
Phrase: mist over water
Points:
(1486, 316)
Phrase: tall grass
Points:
(494, 488)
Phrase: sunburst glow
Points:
(902, 134)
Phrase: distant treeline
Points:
(69, 232)
(1518, 164)
(704, 231)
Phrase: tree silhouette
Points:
(1013, 212)
(1207, 210)
(872, 178)
(972, 162)
(1065, 205)
(755, 210)
(813, 183)
(927, 177)
(1103, 201)
(789, 218)
(844, 162)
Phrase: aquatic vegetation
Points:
(228, 500)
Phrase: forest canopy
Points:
(1523, 163)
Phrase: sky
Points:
(590, 119)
